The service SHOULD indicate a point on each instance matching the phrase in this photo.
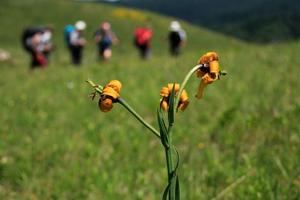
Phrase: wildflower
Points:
(165, 94)
(209, 71)
(110, 94)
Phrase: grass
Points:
(55, 144)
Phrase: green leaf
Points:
(177, 189)
(166, 192)
(163, 129)
(171, 112)
(177, 161)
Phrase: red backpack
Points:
(142, 35)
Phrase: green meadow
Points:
(241, 141)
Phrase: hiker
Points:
(105, 38)
(46, 42)
(77, 42)
(37, 42)
(177, 38)
(142, 38)
(67, 33)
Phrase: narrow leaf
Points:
(177, 189)
(166, 192)
(171, 112)
(163, 129)
(177, 161)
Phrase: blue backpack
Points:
(67, 34)
(106, 41)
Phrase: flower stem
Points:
(184, 82)
(99, 88)
(170, 166)
(138, 117)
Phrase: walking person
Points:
(77, 43)
(105, 38)
(177, 38)
(142, 39)
(36, 41)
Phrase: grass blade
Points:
(171, 112)
(177, 189)
(163, 129)
(166, 192)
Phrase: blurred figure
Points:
(46, 42)
(177, 38)
(77, 42)
(142, 39)
(38, 43)
(67, 34)
(105, 38)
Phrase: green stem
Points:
(138, 117)
(170, 165)
(184, 82)
(169, 153)
(99, 89)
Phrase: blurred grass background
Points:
(55, 144)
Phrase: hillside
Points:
(261, 21)
(55, 144)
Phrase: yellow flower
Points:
(110, 93)
(165, 94)
(209, 71)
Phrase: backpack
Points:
(142, 36)
(174, 38)
(106, 41)
(67, 34)
(28, 33)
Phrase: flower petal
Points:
(176, 87)
(109, 91)
(201, 87)
(164, 92)
(208, 57)
(183, 105)
(105, 105)
(116, 85)
(164, 105)
(184, 96)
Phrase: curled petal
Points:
(208, 57)
(164, 105)
(214, 67)
(105, 105)
(164, 92)
(184, 96)
(201, 87)
(183, 105)
(116, 85)
(109, 91)
(208, 78)
(176, 87)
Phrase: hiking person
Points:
(142, 39)
(77, 42)
(67, 33)
(46, 42)
(105, 38)
(33, 43)
(177, 38)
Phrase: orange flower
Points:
(165, 94)
(208, 57)
(110, 93)
(209, 71)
